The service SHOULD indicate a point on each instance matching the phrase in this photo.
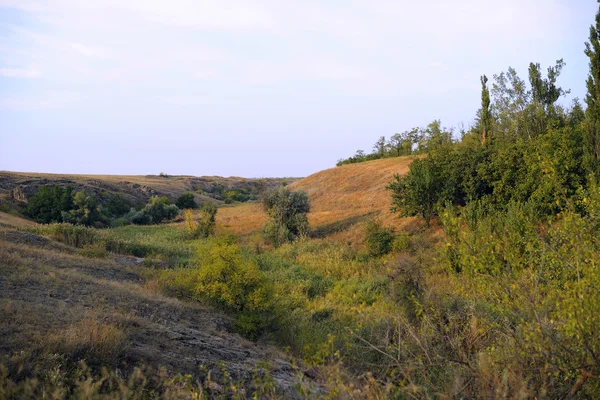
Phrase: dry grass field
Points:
(341, 199)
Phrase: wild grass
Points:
(169, 244)
(341, 199)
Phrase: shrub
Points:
(287, 214)
(186, 200)
(204, 226)
(223, 275)
(157, 210)
(378, 239)
(417, 193)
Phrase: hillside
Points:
(341, 198)
(135, 189)
(58, 299)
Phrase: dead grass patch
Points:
(95, 337)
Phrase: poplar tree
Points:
(486, 115)
(592, 99)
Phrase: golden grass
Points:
(93, 335)
(341, 199)
(10, 221)
(242, 219)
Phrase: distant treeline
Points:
(53, 203)
(414, 141)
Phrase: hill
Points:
(57, 299)
(341, 198)
(137, 189)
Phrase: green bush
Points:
(287, 214)
(186, 200)
(156, 211)
(378, 240)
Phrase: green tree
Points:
(434, 136)
(287, 214)
(379, 147)
(117, 206)
(592, 99)
(186, 200)
(86, 211)
(48, 204)
(396, 143)
(485, 118)
(418, 192)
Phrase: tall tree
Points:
(418, 192)
(545, 91)
(380, 146)
(396, 143)
(486, 115)
(592, 99)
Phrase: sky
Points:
(256, 88)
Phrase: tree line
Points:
(524, 147)
(413, 141)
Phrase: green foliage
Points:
(287, 214)
(204, 226)
(378, 240)
(156, 211)
(224, 276)
(186, 200)
(48, 204)
(592, 99)
(117, 206)
(543, 280)
(86, 211)
(417, 193)
(485, 116)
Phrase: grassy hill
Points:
(60, 304)
(136, 189)
(341, 198)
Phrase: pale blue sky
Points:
(256, 88)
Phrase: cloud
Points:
(381, 46)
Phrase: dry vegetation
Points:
(55, 302)
(341, 198)
(136, 189)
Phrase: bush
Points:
(186, 200)
(205, 225)
(287, 214)
(379, 240)
(156, 211)
(226, 277)
(48, 204)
